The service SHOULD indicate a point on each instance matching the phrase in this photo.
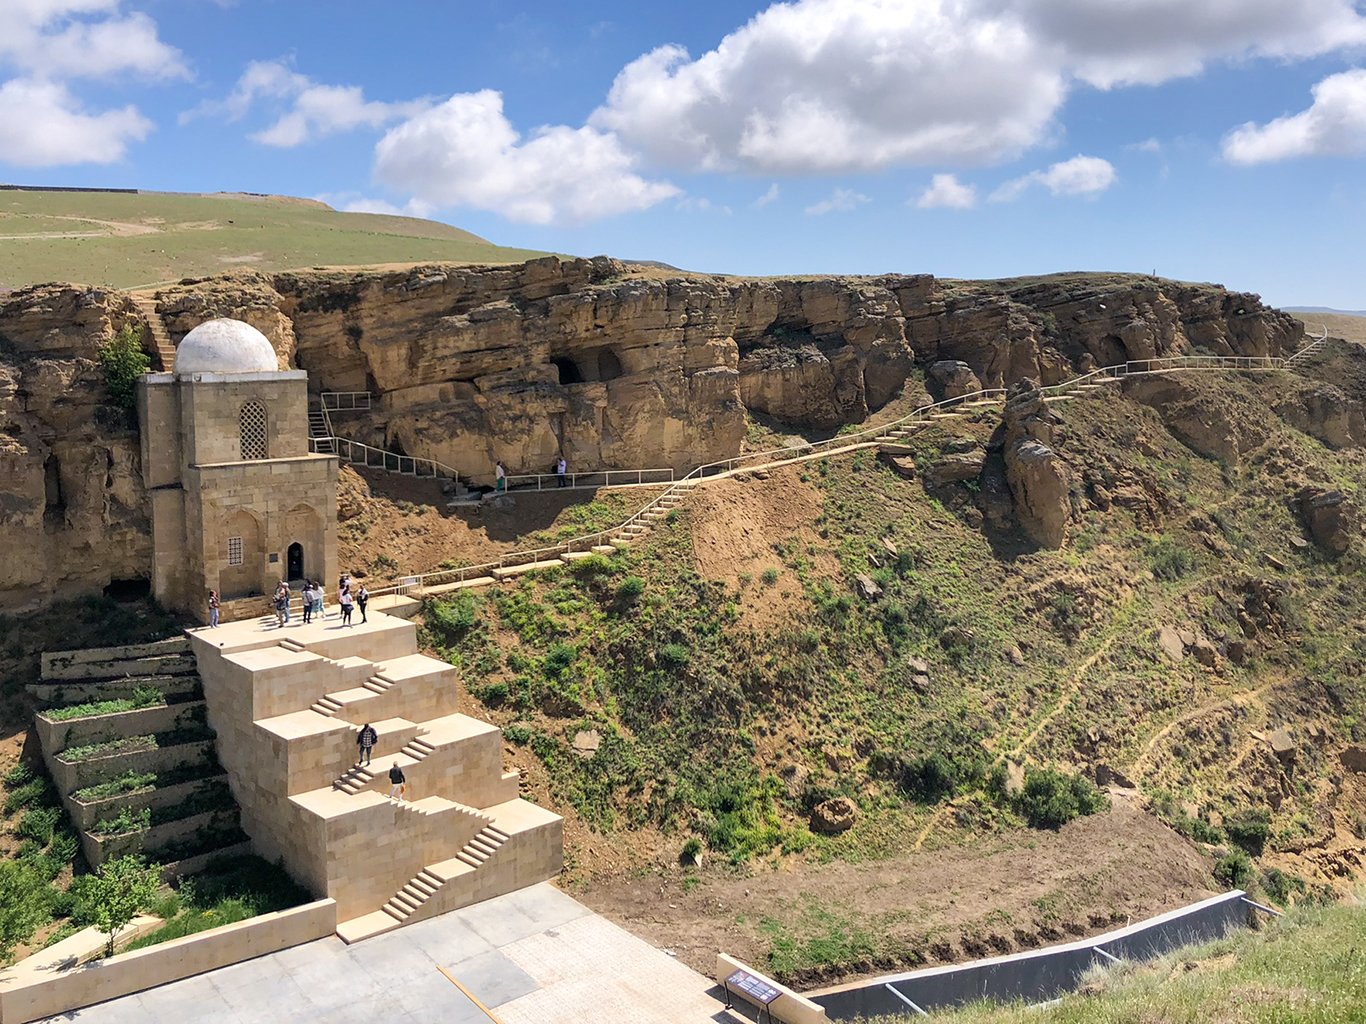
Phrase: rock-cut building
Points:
(238, 502)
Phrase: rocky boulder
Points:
(1326, 412)
(835, 815)
(954, 378)
(1332, 520)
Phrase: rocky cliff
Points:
(73, 513)
(610, 364)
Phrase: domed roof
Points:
(225, 346)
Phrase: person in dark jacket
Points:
(362, 599)
(366, 741)
(397, 783)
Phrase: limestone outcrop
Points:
(1333, 520)
(73, 513)
(1040, 481)
(609, 364)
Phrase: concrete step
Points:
(509, 571)
(368, 925)
(574, 556)
(469, 858)
(620, 542)
(603, 549)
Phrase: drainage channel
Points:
(1038, 975)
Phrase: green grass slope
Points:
(126, 240)
(1306, 967)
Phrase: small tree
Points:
(123, 887)
(123, 362)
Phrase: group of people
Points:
(366, 740)
(560, 468)
(349, 595)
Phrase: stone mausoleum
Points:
(238, 502)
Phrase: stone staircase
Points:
(427, 883)
(359, 777)
(146, 304)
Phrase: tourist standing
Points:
(307, 595)
(346, 600)
(366, 741)
(281, 604)
(398, 785)
(362, 599)
(500, 478)
(561, 473)
(213, 608)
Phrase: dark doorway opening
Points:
(569, 371)
(609, 366)
(294, 562)
(128, 591)
(55, 503)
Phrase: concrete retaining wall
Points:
(84, 815)
(1036, 975)
(58, 660)
(57, 670)
(73, 775)
(789, 1007)
(60, 694)
(75, 732)
(30, 994)
(98, 849)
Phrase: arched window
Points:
(252, 422)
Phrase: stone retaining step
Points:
(509, 571)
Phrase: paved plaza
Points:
(535, 956)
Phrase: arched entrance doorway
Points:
(294, 562)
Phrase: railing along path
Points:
(839, 444)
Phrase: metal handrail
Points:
(806, 451)
(371, 457)
(598, 478)
(345, 401)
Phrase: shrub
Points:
(18, 775)
(122, 361)
(630, 589)
(452, 619)
(35, 791)
(1282, 887)
(127, 821)
(674, 657)
(690, 851)
(491, 695)
(25, 903)
(1169, 560)
(1050, 799)
(39, 823)
(770, 576)
(559, 659)
(594, 565)
(927, 779)
(518, 732)
(1249, 829)
(122, 888)
(1235, 869)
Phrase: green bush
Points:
(1235, 869)
(1249, 829)
(1050, 799)
(25, 903)
(38, 824)
(492, 694)
(126, 821)
(519, 733)
(690, 851)
(674, 657)
(18, 775)
(629, 589)
(592, 566)
(452, 618)
(927, 779)
(122, 361)
(34, 792)
(769, 576)
(1170, 561)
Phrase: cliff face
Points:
(618, 367)
(612, 365)
(73, 513)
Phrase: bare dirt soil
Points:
(1002, 893)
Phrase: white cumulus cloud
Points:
(47, 44)
(771, 196)
(842, 200)
(307, 110)
(43, 125)
(1334, 125)
(945, 190)
(1081, 176)
(465, 152)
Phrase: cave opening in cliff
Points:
(55, 502)
(128, 591)
(609, 366)
(568, 370)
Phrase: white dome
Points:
(225, 346)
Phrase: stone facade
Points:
(287, 707)
(237, 501)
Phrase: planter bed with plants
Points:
(63, 693)
(135, 834)
(146, 712)
(134, 791)
(79, 767)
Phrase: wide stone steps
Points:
(415, 894)
(327, 706)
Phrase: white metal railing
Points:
(839, 443)
(345, 401)
(600, 478)
(1314, 344)
(359, 454)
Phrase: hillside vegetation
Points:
(129, 240)
(835, 642)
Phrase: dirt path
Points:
(1008, 892)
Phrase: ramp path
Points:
(405, 591)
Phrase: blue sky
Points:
(1220, 140)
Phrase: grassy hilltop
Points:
(126, 240)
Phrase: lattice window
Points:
(253, 430)
(234, 550)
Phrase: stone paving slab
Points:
(535, 956)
